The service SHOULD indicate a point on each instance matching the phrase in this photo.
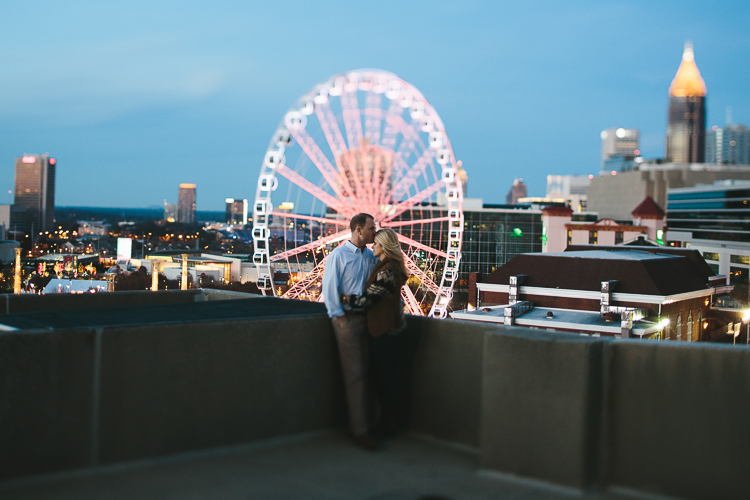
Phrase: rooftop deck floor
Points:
(322, 466)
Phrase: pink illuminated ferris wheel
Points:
(361, 141)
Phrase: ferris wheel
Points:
(361, 141)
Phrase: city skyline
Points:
(186, 92)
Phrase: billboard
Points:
(124, 249)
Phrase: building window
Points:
(593, 237)
(618, 237)
(739, 259)
(711, 256)
(690, 327)
(737, 276)
(679, 327)
(714, 268)
(570, 236)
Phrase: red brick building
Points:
(602, 290)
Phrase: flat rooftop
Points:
(319, 466)
(613, 255)
(561, 319)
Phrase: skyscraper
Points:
(35, 190)
(728, 145)
(236, 211)
(186, 204)
(686, 128)
(619, 142)
(518, 190)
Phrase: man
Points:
(347, 269)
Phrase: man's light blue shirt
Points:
(346, 272)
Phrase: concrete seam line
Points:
(618, 490)
(532, 483)
(595, 416)
(96, 385)
(465, 448)
(170, 459)
(605, 443)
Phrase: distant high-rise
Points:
(236, 211)
(35, 190)
(619, 142)
(686, 128)
(518, 190)
(728, 145)
(186, 204)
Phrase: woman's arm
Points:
(384, 285)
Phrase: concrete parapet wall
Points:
(73, 399)
(679, 419)
(541, 406)
(447, 381)
(10, 303)
(659, 417)
(46, 388)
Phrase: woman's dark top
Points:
(382, 299)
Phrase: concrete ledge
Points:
(10, 303)
(213, 294)
(541, 412)
(169, 389)
(680, 419)
(447, 382)
(46, 393)
(658, 417)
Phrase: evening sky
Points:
(135, 97)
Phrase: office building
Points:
(236, 212)
(619, 142)
(715, 220)
(686, 125)
(13, 219)
(186, 204)
(614, 196)
(728, 145)
(517, 190)
(570, 189)
(35, 190)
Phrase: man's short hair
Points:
(359, 220)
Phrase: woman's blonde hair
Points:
(388, 239)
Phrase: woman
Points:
(382, 298)
(385, 318)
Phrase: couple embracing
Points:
(362, 292)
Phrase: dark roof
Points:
(648, 207)
(693, 256)
(637, 271)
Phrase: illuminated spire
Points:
(688, 80)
